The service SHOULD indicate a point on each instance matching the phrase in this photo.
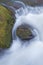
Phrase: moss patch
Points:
(6, 24)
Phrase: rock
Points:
(6, 24)
(24, 32)
(33, 2)
(28, 2)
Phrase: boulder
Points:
(6, 25)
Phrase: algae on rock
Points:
(24, 32)
(6, 25)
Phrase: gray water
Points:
(32, 53)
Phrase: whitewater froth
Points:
(31, 54)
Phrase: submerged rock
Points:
(6, 24)
(24, 32)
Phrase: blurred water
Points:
(31, 53)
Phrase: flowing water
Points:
(31, 52)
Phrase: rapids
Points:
(31, 52)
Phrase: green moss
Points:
(6, 24)
(24, 32)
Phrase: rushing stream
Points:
(31, 53)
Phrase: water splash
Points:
(31, 54)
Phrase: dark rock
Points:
(28, 2)
(24, 32)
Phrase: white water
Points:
(31, 53)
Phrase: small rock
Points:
(24, 32)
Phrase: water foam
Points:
(31, 54)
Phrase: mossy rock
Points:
(6, 25)
(24, 32)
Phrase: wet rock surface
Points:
(24, 32)
(28, 2)
(6, 25)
